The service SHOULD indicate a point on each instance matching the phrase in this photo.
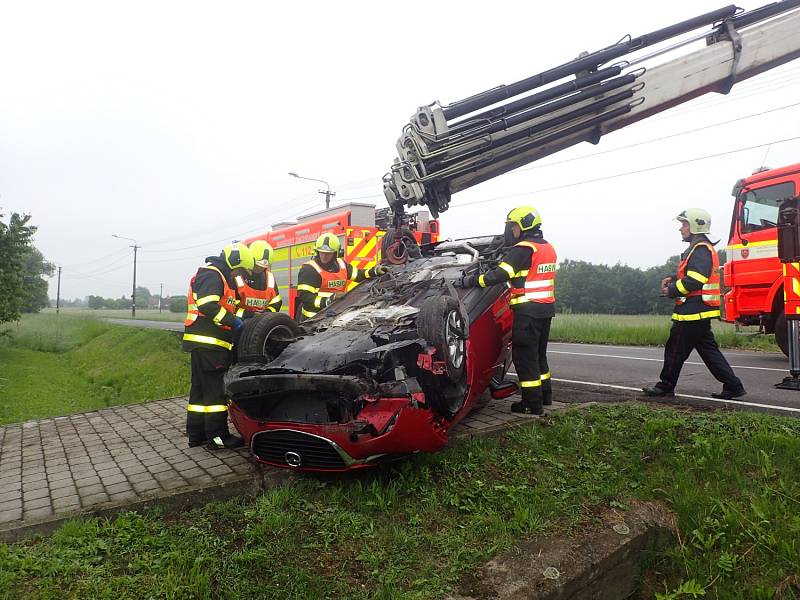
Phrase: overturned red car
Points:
(381, 373)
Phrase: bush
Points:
(177, 304)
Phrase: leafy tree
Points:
(15, 239)
(34, 290)
(177, 304)
(143, 296)
(95, 302)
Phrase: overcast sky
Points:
(175, 123)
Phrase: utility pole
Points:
(135, 247)
(328, 195)
(133, 294)
(160, 296)
(58, 291)
(326, 192)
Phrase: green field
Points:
(58, 364)
(647, 330)
(414, 529)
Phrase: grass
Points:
(414, 529)
(56, 365)
(647, 330)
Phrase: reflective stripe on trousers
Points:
(202, 408)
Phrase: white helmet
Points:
(699, 220)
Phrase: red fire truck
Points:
(753, 273)
(361, 230)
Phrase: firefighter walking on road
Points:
(210, 329)
(325, 276)
(696, 291)
(258, 292)
(528, 268)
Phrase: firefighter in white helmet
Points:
(696, 291)
(326, 276)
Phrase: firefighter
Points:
(258, 292)
(697, 299)
(528, 268)
(325, 276)
(210, 328)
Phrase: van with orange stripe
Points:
(361, 230)
(753, 274)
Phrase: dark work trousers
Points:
(529, 338)
(686, 336)
(207, 416)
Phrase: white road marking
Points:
(688, 362)
(786, 409)
(635, 348)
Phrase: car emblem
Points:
(293, 459)
(745, 252)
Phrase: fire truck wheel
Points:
(781, 334)
(397, 250)
(265, 336)
(440, 323)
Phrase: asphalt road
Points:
(627, 368)
(168, 325)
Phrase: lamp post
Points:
(135, 247)
(327, 191)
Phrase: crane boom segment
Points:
(447, 149)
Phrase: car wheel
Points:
(781, 334)
(440, 323)
(398, 249)
(265, 336)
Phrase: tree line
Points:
(581, 287)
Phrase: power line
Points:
(122, 262)
(617, 175)
(653, 140)
(94, 260)
(628, 146)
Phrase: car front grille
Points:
(296, 449)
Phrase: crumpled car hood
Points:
(326, 351)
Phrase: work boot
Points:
(531, 402)
(547, 393)
(730, 394)
(195, 429)
(228, 442)
(657, 391)
(523, 408)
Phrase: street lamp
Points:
(328, 193)
(135, 247)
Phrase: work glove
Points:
(468, 281)
(380, 270)
(238, 324)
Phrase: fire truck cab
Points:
(360, 229)
(753, 275)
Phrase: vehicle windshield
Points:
(760, 206)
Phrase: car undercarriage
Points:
(382, 372)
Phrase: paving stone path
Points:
(129, 456)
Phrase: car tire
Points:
(409, 250)
(441, 324)
(265, 336)
(781, 334)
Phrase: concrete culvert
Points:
(601, 563)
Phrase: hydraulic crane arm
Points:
(446, 149)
